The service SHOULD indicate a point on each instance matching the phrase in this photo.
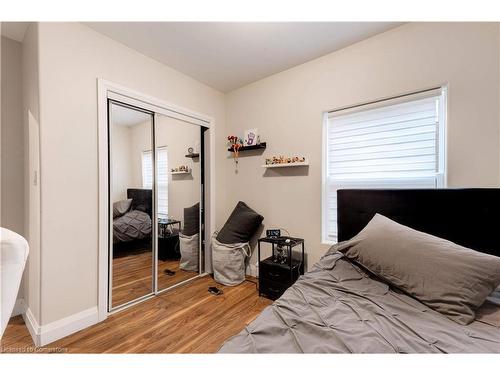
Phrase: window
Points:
(147, 170)
(395, 143)
(161, 175)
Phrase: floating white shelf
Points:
(183, 172)
(286, 165)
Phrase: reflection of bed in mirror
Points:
(135, 223)
(132, 246)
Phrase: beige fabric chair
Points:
(13, 255)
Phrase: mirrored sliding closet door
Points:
(178, 171)
(156, 197)
(131, 184)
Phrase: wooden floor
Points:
(185, 320)
(132, 276)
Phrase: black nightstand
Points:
(168, 239)
(274, 277)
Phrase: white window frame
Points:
(441, 176)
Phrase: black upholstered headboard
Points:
(142, 200)
(469, 217)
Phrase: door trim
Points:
(109, 90)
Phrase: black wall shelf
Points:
(260, 146)
(192, 156)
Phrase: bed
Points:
(135, 224)
(339, 307)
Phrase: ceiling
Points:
(14, 30)
(227, 56)
(123, 116)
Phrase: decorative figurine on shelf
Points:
(235, 143)
(182, 168)
(251, 137)
(285, 160)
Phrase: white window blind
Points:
(147, 170)
(161, 175)
(395, 144)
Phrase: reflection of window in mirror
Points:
(162, 176)
(147, 169)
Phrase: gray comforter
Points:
(134, 225)
(339, 308)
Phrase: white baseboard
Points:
(19, 307)
(43, 335)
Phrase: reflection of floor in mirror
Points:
(165, 280)
(132, 276)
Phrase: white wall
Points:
(72, 57)
(140, 140)
(30, 65)
(12, 147)
(12, 141)
(287, 109)
(121, 159)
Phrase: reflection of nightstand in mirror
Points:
(278, 272)
(168, 239)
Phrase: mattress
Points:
(338, 307)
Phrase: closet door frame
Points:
(107, 90)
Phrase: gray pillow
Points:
(120, 208)
(447, 277)
(240, 226)
(191, 220)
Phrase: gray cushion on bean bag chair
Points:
(241, 225)
(191, 220)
